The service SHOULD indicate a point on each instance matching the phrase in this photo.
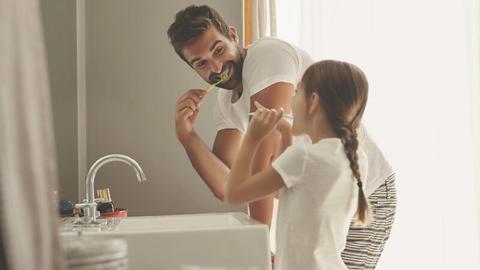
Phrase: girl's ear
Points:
(233, 33)
(314, 102)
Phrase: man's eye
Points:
(219, 51)
(200, 64)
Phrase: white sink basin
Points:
(178, 222)
(187, 242)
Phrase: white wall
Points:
(133, 78)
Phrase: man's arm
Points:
(274, 96)
(243, 186)
(226, 145)
(213, 167)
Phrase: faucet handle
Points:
(89, 211)
(84, 204)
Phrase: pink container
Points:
(119, 213)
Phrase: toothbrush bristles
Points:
(222, 78)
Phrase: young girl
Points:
(320, 176)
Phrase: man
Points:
(203, 40)
(267, 72)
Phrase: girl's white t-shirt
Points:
(316, 205)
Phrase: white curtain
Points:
(473, 29)
(27, 155)
(421, 59)
(263, 18)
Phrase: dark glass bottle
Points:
(105, 207)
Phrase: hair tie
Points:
(359, 183)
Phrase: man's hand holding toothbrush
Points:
(186, 112)
(188, 107)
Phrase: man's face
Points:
(213, 54)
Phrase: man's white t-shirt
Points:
(316, 205)
(269, 61)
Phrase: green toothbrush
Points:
(223, 77)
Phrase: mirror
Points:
(114, 81)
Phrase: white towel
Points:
(114, 265)
(85, 251)
(27, 154)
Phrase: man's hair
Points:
(190, 23)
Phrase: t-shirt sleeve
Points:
(290, 165)
(363, 164)
(270, 62)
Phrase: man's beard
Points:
(236, 77)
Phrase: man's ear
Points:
(232, 31)
(314, 102)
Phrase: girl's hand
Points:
(284, 127)
(263, 122)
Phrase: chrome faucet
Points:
(90, 204)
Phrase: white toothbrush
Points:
(286, 116)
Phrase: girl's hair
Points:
(343, 91)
